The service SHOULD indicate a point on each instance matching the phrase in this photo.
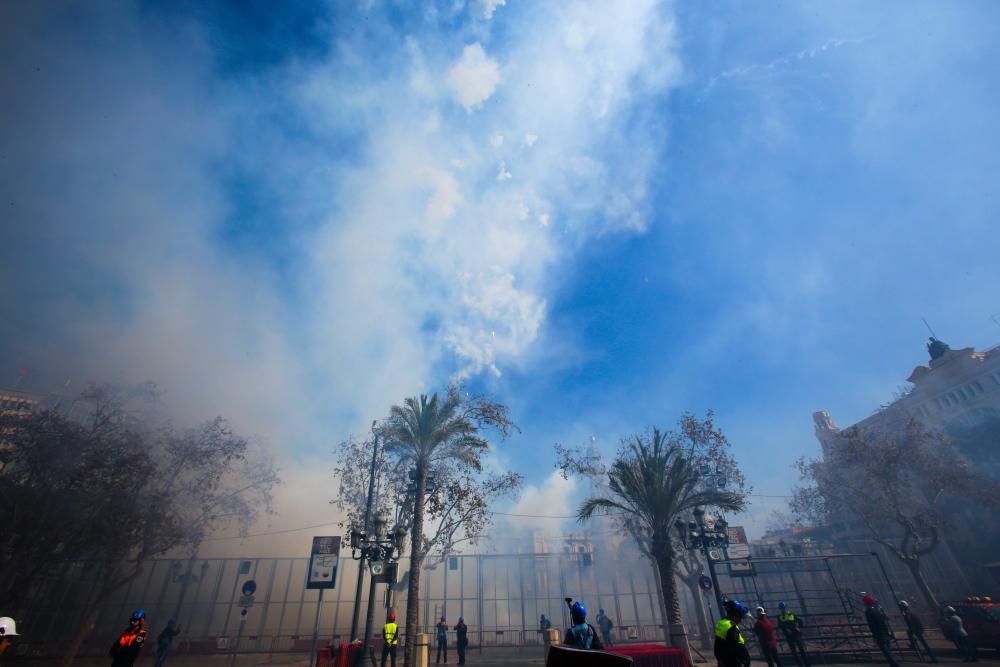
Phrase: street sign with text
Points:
(323, 562)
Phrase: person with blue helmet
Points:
(124, 651)
(165, 639)
(581, 634)
(605, 624)
(730, 648)
(461, 639)
(442, 640)
(791, 626)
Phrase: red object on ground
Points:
(344, 656)
(324, 656)
(652, 655)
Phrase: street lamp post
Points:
(381, 552)
(711, 537)
(366, 528)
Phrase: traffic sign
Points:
(249, 587)
(705, 582)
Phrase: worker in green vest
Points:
(791, 626)
(730, 647)
(390, 637)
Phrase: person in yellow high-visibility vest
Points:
(390, 637)
(730, 647)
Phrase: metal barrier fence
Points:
(824, 589)
(501, 598)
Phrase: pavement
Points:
(493, 657)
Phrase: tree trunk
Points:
(413, 589)
(918, 576)
(663, 606)
(678, 638)
(90, 617)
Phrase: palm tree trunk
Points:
(413, 589)
(663, 606)
(678, 638)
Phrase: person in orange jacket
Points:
(124, 651)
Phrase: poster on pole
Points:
(323, 563)
(738, 552)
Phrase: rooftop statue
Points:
(936, 348)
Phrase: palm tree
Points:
(652, 482)
(424, 432)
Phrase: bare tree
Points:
(894, 483)
(117, 488)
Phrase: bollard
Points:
(422, 654)
(550, 637)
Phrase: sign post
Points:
(323, 563)
(246, 601)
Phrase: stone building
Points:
(957, 393)
(956, 388)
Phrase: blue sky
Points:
(605, 215)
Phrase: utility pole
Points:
(355, 617)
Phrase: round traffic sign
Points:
(705, 583)
(249, 587)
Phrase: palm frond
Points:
(599, 505)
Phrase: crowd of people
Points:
(729, 648)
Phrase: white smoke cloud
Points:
(553, 497)
(390, 266)
(474, 77)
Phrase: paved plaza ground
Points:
(488, 658)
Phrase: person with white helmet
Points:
(767, 637)
(955, 630)
(915, 630)
(8, 629)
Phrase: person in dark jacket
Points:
(461, 639)
(878, 623)
(955, 630)
(606, 626)
(791, 626)
(130, 642)
(767, 637)
(581, 634)
(442, 640)
(915, 630)
(165, 639)
(544, 624)
(730, 648)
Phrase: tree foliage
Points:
(444, 437)
(895, 483)
(457, 509)
(656, 478)
(115, 488)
